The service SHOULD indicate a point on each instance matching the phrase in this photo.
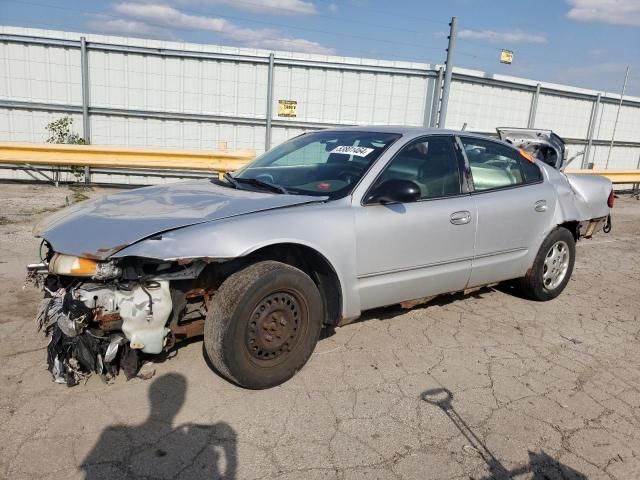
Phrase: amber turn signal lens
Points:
(84, 266)
(526, 155)
(61, 264)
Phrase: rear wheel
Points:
(263, 324)
(552, 267)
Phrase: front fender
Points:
(326, 228)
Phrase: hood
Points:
(542, 144)
(99, 228)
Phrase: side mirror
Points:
(394, 191)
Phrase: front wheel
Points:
(552, 267)
(263, 324)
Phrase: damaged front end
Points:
(106, 316)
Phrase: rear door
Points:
(514, 207)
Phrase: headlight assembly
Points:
(73, 266)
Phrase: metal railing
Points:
(616, 176)
(156, 161)
(46, 162)
(118, 157)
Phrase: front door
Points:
(407, 251)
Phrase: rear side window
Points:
(495, 166)
(530, 171)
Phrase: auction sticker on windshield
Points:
(357, 151)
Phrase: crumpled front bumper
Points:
(102, 328)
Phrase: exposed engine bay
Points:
(109, 317)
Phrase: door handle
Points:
(460, 218)
(540, 206)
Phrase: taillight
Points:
(610, 200)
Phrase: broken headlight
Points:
(73, 266)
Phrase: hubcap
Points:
(274, 327)
(556, 264)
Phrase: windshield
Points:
(326, 163)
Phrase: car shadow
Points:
(157, 448)
(541, 466)
(392, 311)
(510, 288)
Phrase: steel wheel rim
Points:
(556, 265)
(275, 328)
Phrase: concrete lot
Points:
(514, 389)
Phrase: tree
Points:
(60, 132)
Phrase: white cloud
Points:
(616, 12)
(515, 36)
(273, 7)
(333, 7)
(607, 76)
(156, 15)
(163, 15)
(131, 28)
(597, 52)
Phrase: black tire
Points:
(263, 324)
(538, 283)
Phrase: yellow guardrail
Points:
(121, 157)
(218, 161)
(616, 176)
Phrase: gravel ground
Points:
(477, 387)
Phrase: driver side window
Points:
(431, 163)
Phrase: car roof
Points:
(410, 131)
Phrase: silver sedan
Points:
(309, 235)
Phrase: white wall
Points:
(181, 134)
(337, 92)
(568, 117)
(18, 125)
(39, 73)
(169, 84)
(348, 97)
(485, 107)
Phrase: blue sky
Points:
(586, 43)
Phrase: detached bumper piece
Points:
(76, 350)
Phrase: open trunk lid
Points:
(542, 144)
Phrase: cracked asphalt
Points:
(481, 386)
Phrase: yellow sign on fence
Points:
(287, 108)
(506, 56)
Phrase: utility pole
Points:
(615, 125)
(453, 30)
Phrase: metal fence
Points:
(149, 93)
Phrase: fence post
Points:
(534, 107)
(615, 124)
(86, 126)
(429, 98)
(435, 104)
(636, 187)
(84, 68)
(592, 127)
(267, 138)
(444, 104)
